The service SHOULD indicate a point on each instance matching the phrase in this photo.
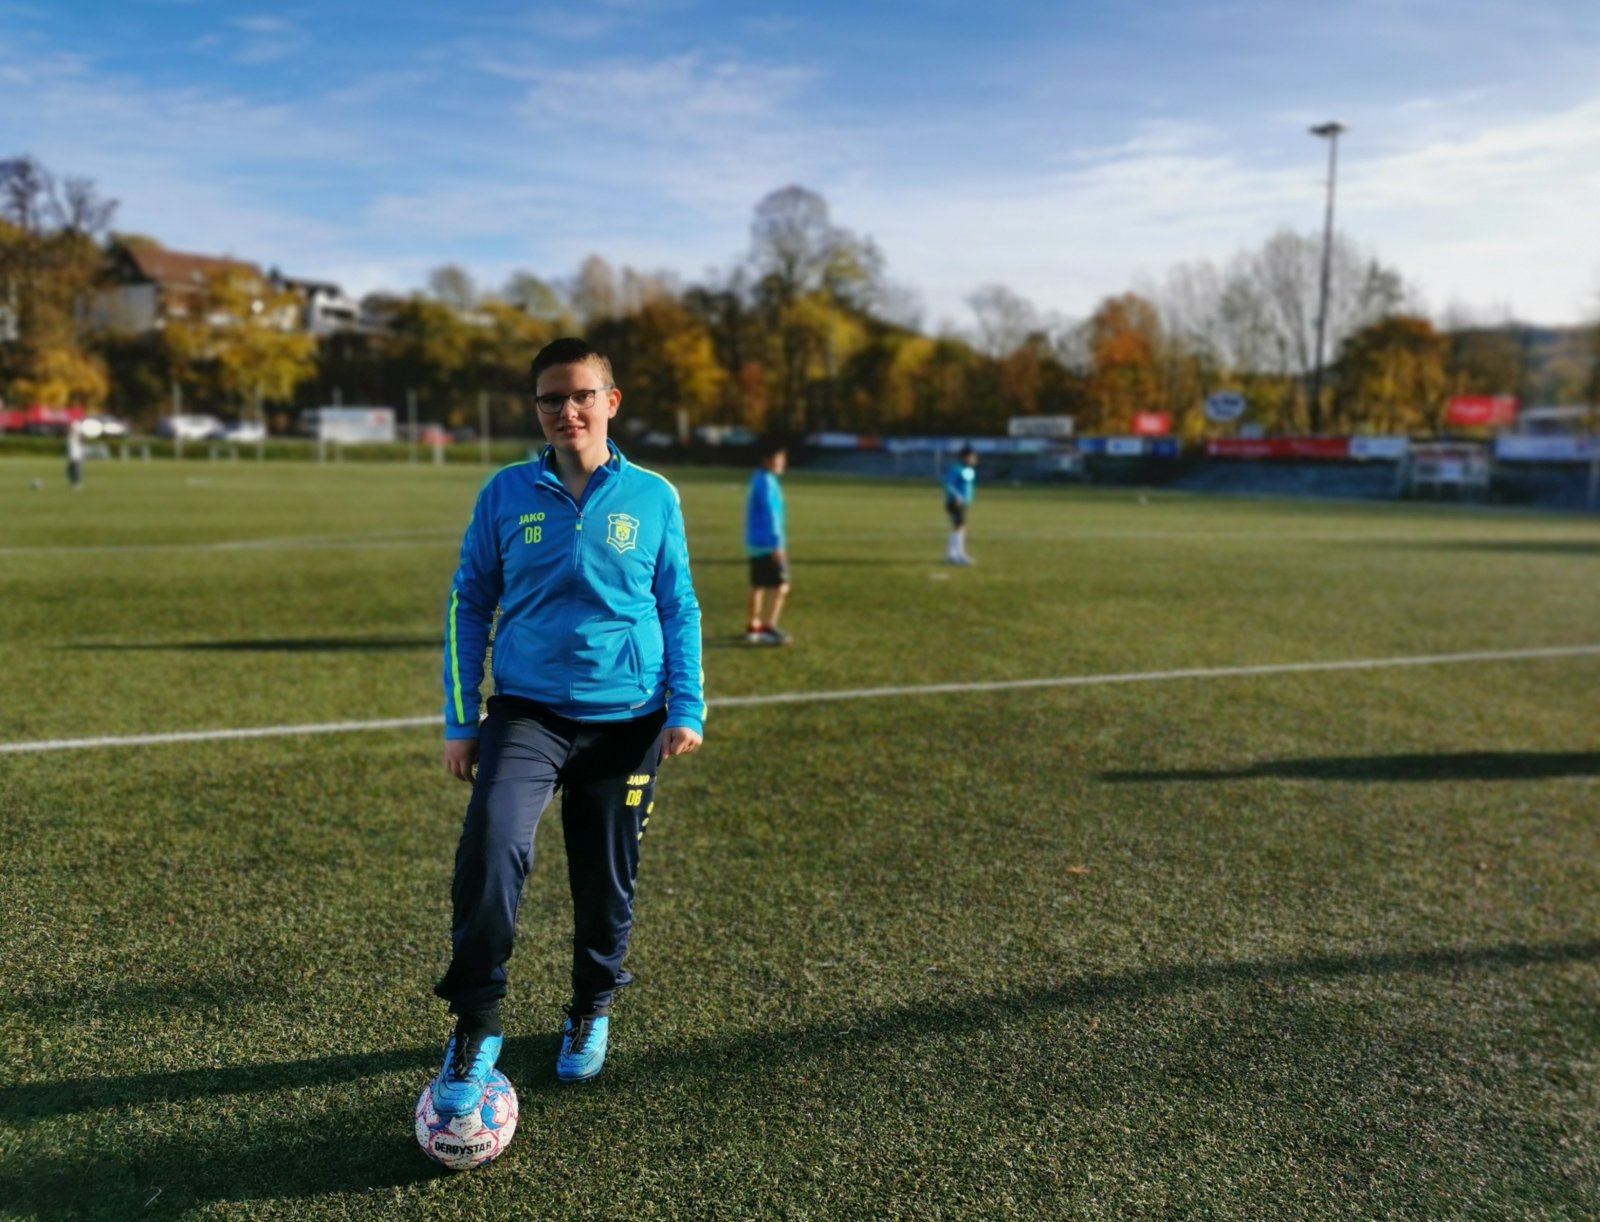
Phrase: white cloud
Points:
(521, 157)
(254, 39)
(1503, 214)
(264, 25)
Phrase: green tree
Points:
(429, 350)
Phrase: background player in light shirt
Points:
(766, 541)
(960, 489)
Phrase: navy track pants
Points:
(607, 773)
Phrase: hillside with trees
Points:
(804, 331)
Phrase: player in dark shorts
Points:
(960, 487)
(766, 540)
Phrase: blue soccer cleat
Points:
(583, 1047)
(468, 1062)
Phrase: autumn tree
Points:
(50, 229)
(429, 351)
(239, 341)
(810, 278)
(1393, 377)
(1483, 355)
(723, 307)
(1125, 342)
(665, 356)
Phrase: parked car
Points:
(44, 420)
(243, 431)
(188, 427)
(102, 426)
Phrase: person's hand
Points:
(781, 555)
(680, 741)
(460, 754)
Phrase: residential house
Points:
(150, 285)
(324, 306)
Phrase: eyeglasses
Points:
(583, 400)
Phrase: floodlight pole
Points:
(1329, 131)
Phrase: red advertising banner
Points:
(1279, 447)
(1152, 424)
(1482, 411)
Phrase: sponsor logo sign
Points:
(1315, 448)
(1387, 449)
(1152, 424)
(1225, 406)
(1509, 447)
(1039, 426)
(1481, 411)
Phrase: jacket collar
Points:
(614, 466)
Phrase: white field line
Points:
(293, 543)
(860, 693)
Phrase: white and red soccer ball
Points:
(472, 1139)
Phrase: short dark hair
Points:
(570, 350)
(770, 446)
(966, 448)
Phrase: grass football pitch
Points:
(1209, 931)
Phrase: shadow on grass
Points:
(370, 644)
(295, 1153)
(1452, 766)
(138, 999)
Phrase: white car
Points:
(102, 426)
(188, 427)
(244, 431)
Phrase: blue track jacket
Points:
(961, 481)
(598, 615)
(764, 515)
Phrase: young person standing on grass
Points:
(960, 487)
(766, 541)
(597, 680)
(74, 457)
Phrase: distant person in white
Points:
(74, 457)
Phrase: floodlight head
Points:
(1331, 128)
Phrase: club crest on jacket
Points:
(622, 531)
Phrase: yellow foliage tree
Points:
(1393, 377)
(240, 340)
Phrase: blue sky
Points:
(1067, 150)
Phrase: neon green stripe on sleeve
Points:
(455, 660)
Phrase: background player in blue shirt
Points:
(960, 488)
(597, 680)
(766, 542)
